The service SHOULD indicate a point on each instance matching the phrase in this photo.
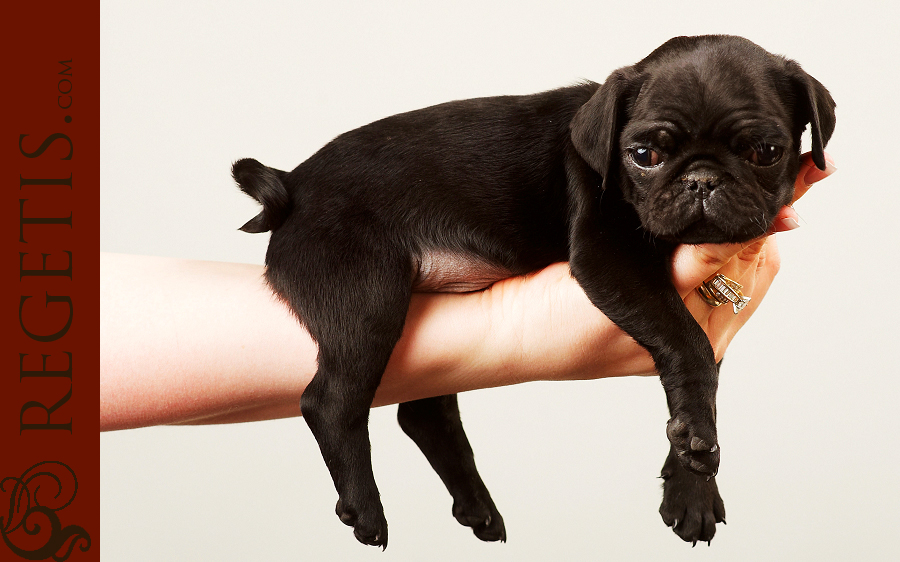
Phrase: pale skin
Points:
(195, 342)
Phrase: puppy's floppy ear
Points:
(813, 105)
(595, 128)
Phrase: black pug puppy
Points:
(698, 142)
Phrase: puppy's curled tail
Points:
(266, 185)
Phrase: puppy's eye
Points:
(762, 154)
(645, 157)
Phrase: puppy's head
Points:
(703, 136)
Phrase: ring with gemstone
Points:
(719, 290)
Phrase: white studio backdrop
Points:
(808, 390)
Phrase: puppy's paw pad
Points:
(697, 449)
(700, 446)
(345, 513)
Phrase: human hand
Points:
(753, 265)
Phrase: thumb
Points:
(809, 174)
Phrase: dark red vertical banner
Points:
(49, 298)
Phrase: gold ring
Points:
(718, 290)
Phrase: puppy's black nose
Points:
(701, 182)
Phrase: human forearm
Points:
(183, 339)
(200, 342)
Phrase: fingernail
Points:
(789, 223)
(814, 174)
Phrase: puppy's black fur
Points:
(698, 142)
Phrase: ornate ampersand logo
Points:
(31, 528)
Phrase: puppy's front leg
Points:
(691, 503)
(627, 278)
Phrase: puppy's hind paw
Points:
(485, 521)
(370, 528)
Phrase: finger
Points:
(786, 219)
(810, 174)
(694, 264)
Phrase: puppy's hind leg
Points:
(434, 425)
(353, 300)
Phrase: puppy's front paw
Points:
(696, 447)
(485, 520)
(369, 526)
(691, 505)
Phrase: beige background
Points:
(809, 391)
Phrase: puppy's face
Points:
(703, 153)
(703, 136)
